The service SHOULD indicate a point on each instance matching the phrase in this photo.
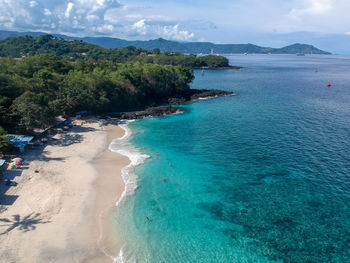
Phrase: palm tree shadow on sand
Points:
(25, 224)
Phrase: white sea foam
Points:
(122, 258)
(213, 97)
(123, 146)
(179, 112)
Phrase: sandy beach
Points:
(59, 211)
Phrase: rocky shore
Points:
(167, 108)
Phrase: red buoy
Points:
(329, 84)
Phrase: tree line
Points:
(36, 89)
(73, 50)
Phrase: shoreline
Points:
(107, 189)
(65, 192)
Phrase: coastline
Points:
(64, 195)
(107, 189)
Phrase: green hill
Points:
(183, 47)
(23, 46)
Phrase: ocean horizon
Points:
(258, 177)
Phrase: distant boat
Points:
(245, 54)
(329, 84)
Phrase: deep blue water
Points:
(263, 176)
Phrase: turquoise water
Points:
(263, 176)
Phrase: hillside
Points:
(185, 47)
(72, 50)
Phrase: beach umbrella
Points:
(17, 160)
(13, 165)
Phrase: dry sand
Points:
(60, 214)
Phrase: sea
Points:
(262, 176)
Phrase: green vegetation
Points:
(17, 47)
(3, 139)
(36, 89)
(44, 77)
(193, 61)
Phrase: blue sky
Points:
(265, 22)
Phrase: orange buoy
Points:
(329, 84)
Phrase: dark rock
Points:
(181, 98)
(149, 112)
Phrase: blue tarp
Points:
(81, 112)
(20, 141)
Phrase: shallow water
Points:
(263, 176)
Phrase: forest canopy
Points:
(17, 47)
(46, 76)
(36, 89)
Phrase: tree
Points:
(4, 139)
(33, 110)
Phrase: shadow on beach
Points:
(66, 138)
(25, 224)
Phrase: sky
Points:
(265, 22)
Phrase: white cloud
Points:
(173, 32)
(69, 9)
(140, 27)
(312, 7)
(33, 4)
(90, 18)
(105, 29)
(177, 20)
(47, 12)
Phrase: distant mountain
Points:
(183, 47)
(72, 50)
